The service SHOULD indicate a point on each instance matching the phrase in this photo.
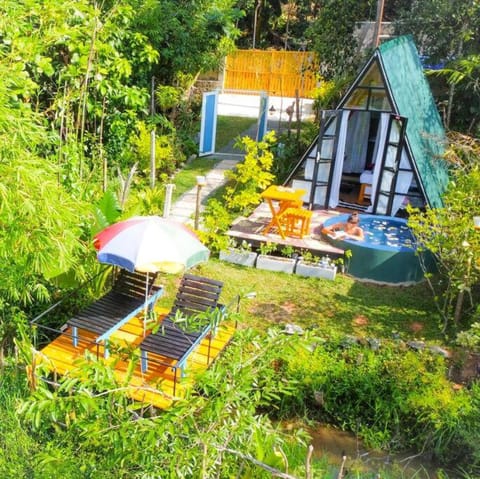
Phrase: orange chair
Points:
(296, 222)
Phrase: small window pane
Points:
(379, 101)
(358, 99)
(372, 78)
(327, 149)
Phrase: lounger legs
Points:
(75, 336)
(144, 361)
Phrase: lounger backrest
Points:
(196, 294)
(133, 284)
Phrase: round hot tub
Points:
(386, 255)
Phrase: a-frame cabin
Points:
(383, 145)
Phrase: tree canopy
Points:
(74, 89)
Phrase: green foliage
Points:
(242, 192)
(198, 322)
(287, 251)
(470, 338)
(17, 445)
(90, 94)
(242, 247)
(328, 94)
(217, 431)
(190, 37)
(463, 74)
(279, 24)
(216, 221)
(289, 147)
(250, 177)
(224, 424)
(12, 320)
(267, 248)
(394, 398)
(42, 225)
(167, 97)
(147, 201)
(447, 33)
(167, 156)
(448, 234)
(106, 211)
(308, 257)
(449, 24)
(332, 36)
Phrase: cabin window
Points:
(379, 101)
(359, 99)
(372, 78)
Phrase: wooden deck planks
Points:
(155, 386)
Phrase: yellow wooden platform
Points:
(155, 386)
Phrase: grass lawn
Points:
(186, 179)
(343, 306)
(230, 127)
(340, 306)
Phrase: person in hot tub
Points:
(349, 229)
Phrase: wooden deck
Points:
(154, 387)
(250, 230)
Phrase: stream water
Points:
(334, 444)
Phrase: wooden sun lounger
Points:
(195, 295)
(130, 293)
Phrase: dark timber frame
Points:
(196, 295)
(130, 293)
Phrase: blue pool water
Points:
(387, 232)
(386, 255)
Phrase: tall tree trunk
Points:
(451, 91)
(152, 137)
(84, 94)
(103, 157)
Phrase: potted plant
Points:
(284, 264)
(241, 254)
(313, 266)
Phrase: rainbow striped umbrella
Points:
(150, 244)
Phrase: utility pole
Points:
(255, 19)
(378, 23)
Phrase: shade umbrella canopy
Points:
(150, 244)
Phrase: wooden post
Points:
(378, 23)
(298, 117)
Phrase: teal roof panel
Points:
(413, 98)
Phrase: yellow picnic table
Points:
(279, 198)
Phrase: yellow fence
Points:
(279, 73)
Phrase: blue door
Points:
(208, 129)
(262, 117)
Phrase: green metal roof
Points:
(411, 93)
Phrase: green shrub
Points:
(167, 154)
(251, 176)
(394, 398)
(216, 221)
(289, 148)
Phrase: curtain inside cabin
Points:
(357, 142)
(338, 163)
